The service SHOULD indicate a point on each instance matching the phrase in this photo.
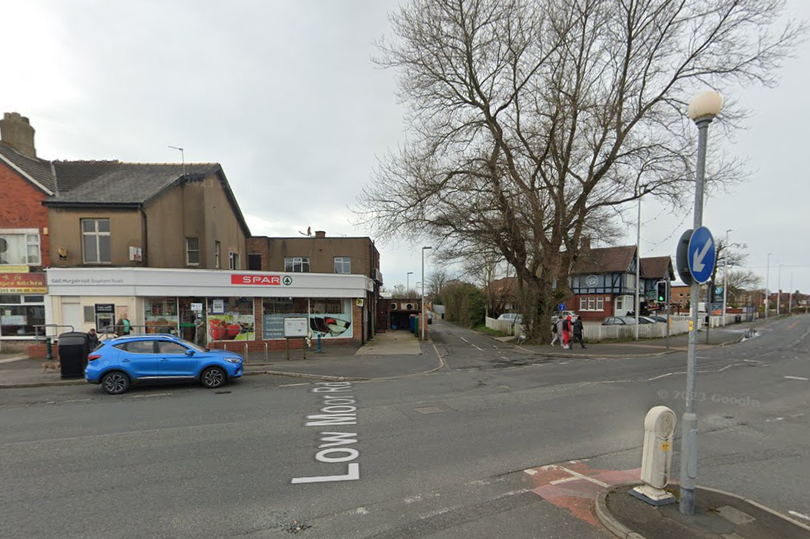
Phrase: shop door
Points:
(190, 310)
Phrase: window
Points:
(216, 255)
(168, 347)
(255, 262)
(619, 304)
(96, 241)
(600, 303)
(20, 247)
(233, 260)
(19, 314)
(193, 251)
(138, 347)
(591, 303)
(583, 304)
(298, 264)
(343, 264)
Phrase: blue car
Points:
(118, 363)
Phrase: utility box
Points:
(656, 461)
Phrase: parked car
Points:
(118, 363)
(514, 318)
(564, 315)
(658, 318)
(619, 321)
(647, 320)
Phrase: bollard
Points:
(319, 343)
(48, 348)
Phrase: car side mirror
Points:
(189, 352)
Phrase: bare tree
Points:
(532, 121)
(399, 291)
(436, 280)
(740, 283)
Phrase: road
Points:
(440, 455)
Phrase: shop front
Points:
(22, 306)
(213, 308)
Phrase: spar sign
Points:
(260, 280)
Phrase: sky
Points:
(285, 96)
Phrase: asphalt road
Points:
(440, 455)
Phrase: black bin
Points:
(74, 348)
(738, 318)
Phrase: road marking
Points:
(797, 378)
(795, 514)
(657, 377)
(575, 476)
(153, 395)
(468, 342)
(726, 367)
(293, 385)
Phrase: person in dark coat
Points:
(92, 339)
(578, 331)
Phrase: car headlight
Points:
(233, 359)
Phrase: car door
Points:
(138, 358)
(174, 361)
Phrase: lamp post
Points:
(767, 286)
(423, 321)
(702, 110)
(638, 266)
(725, 280)
(408, 283)
(779, 290)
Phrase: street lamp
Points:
(779, 290)
(423, 321)
(768, 286)
(725, 280)
(408, 283)
(702, 110)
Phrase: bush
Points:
(465, 304)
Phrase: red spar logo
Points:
(268, 280)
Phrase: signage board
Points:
(23, 283)
(197, 307)
(295, 327)
(701, 255)
(218, 306)
(561, 306)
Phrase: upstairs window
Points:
(297, 264)
(96, 241)
(192, 251)
(343, 264)
(20, 247)
(233, 261)
(217, 255)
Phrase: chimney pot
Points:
(320, 233)
(16, 131)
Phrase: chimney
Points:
(320, 233)
(16, 131)
(585, 244)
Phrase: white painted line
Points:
(657, 377)
(530, 472)
(795, 514)
(293, 385)
(726, 367)
(78, 400)
(797, 378)
(577, 475)
(154, 395)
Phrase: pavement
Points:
(718, 515)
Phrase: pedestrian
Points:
(566, 328)
(199, 331)
(578, 331)
(92, 339)
(125, 323)
(555, 332)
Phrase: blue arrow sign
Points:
(561, 306)
(702, 255)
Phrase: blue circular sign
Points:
(701, 255)
(561, 306)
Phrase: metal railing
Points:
(45, 327)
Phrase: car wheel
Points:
(213, 377)
(115, 382)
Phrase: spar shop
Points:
(238, 310)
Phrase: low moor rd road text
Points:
(339, 408)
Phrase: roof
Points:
(604, 260)
(113, 182)
(505, 286)
(656, 267)
(38, 170)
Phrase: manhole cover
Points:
(429, 410)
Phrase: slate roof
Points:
(655, 267)
(38, 169)
(604, 260)
(116, 183)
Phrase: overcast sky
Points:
(285, 96)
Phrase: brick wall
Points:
(259, 246)
(25, 209)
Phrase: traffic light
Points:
(661, 295)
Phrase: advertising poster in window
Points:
(236, 323)
(331, 318)
(160, 315)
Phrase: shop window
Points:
(160, 315)
(193, 251)
(230, 319)
(298, 264)
(20, 248)
(19, 315)
(343, 264)
(96, 241)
